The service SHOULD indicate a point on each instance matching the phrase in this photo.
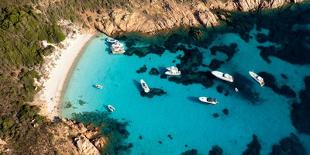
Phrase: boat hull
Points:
(222, 76)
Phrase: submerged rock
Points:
(272, 83)
(190, 152)
(225, 111)
(253, 148)
(216, 150)
(300, 113)
(154, 71)
(142, 69)
(288, 146)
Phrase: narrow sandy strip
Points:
(57, 67)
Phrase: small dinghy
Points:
(145, 87)
(257, 78)
(223, 76)
(98, 86)
(208, 100)
(110, 108)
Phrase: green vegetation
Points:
(21, 30)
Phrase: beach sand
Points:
(57, 67)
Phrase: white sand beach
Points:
(56, 69)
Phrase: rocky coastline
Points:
(159, 15)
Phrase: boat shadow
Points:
(193, 99)
(138, 85)
(246, 88)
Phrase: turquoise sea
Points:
(175, 122)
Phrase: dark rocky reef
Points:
(253, 148)
(300, 113)
(109, 127)
(271, 82)
(154, 71)
(216, 150)
(288, 146)
(142, 69)
(190, 152)
(228, 50)
(215, 64)
(153, 92)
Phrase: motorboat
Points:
(223, 76)
(257, 78)
(111, 108)
(208, 100)
(111, 40)
(117, 50)
(145, 87)
(172, 68)
(173, 71)
(98, 86)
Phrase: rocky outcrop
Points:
(151, 17)
(77, 138)
(85, 146)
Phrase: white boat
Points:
(99, 86)
(110, 108)
(257, 78)
(117, 50)
(208, 100)
(173, 71)
(111, 40)
(172, 68)
(223, 76)
(117, 45)
(145, 87)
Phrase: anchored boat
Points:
(257, 78)
(223, 76)
(173, 71)
(98, 86)
(208, 100)
(111, 108)
(145, 87)
(111, 40)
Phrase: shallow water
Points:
(177, 113)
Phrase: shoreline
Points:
(58, 67)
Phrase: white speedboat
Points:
(145, 87)
(117, 50)
(257, 78)
(98, 86)
(172, 68)
(111, 40)
(173, 71)
(223, 76)
(208, 100)
(111, 108)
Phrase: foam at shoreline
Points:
(58, 66)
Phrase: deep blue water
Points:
(177, 113)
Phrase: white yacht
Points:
(208, 100)
(172, 68)
(257, 78)
(223, 76)
(173, 71)
(111, 40)
(110, 108)
(98, 86)
(117, 48)
(145, 87)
